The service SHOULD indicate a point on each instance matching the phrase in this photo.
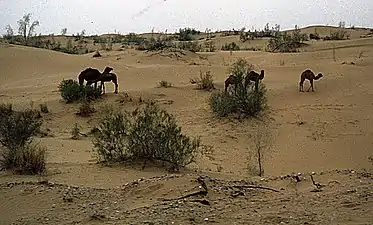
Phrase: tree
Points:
(64, 31)
(9, 31)
(25, 29)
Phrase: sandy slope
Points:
(321, 131)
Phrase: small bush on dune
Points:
(148, 134)
(44, 108)
(164, 84)
(241, 98)
(71, 91)
(31, 160)
(85, 109)
(204, 82)
(16, 131)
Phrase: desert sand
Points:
(328, 132)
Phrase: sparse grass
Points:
(164, 84)
(86, 109)
(146, 134)
(204, 82)
(44, 108)
(31, 160)
(75, 132)
(360, 55)
(123, 98)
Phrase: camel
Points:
(309, 75)
(251, 76)
(107, 77)
(91, 75)
(230, 80)
(254, 76)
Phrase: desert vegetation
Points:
(149, 134)
(19, 152)
(242, 98)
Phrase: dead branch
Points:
(202, 192)
(253, 187)
(317, 185)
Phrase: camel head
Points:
(318, 76)
(107, 69)
(261, 76)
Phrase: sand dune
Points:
(325, 130)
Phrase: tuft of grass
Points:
(86, 109)
(75, 132)
(31, 160)
(204, 82)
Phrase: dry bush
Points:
(124, 97)
(261, 141)
(44, 108)
(204, 82)
(86, 109)
(164, 84)
(17, 129)
(75, 132)
(242, 98)
(31, 160)
(146, 134)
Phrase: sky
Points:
(140, 16)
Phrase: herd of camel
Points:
(93, 76)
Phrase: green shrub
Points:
(16, 131)
(230, 47)
(148, 134)
(71, 91)
(285, 42)
(242, 98)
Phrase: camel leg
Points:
(300, 86)
(103, 87)
(311, 86)
(256, 86)
(116, 88)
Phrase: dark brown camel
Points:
(251, 76)
(254, 76)
(107, 77)
(230, 81)
(309, 75)
(91, 75)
